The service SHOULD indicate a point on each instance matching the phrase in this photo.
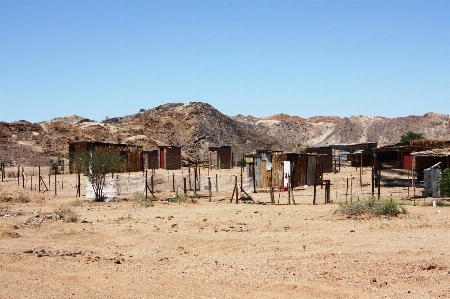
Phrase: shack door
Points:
(407, 161)
(162, 163)
(311, 172)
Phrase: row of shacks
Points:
(164, 157)
(401, 164)
(273, 168)
(268, 167)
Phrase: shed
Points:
(132, 154)
(326, 159)
(170, 157)
(221, 156)
(150, 158)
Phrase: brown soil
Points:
(220, 249)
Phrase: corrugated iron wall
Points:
(299, 173)
(277, 169)
(133, 162)
(173, 158)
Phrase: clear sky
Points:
(105, 58)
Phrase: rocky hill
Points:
(196, 126)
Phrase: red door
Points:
(161, 158)
(407, 161)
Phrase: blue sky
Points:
(101, 59)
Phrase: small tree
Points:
(443, 183)
(411, 136)
(96, 165)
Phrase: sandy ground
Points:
(220, 249)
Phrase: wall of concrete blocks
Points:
(121, 186)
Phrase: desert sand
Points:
(217, 249)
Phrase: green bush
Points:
(440, 203)
(408, 136)
(444, 183)
(140, 198)
(371, 208)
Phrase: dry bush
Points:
(66, 214)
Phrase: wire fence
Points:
(349, 184)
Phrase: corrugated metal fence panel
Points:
(311, 174)
(277, 170)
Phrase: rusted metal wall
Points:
(257, 159)
(299, 170)
(222, 155)
(151, 159)
(327, 159)
(277, 169)
(355, 159)
(430, 143)
(172, 156)
(134, 159)
(133, 154)
(311, 175)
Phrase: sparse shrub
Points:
(76, 138)
(11, 174)
(334, 170)
(66, 214)
(140, 198)
(440, 203)
(75, 203)
(180, 198)
(371, 208)
(444, 183)
(23, 198)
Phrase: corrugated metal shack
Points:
(425, 160)
(394, 162)
(221, 156)
(350, 152)
(281, 168)
(306, 169)
(326, 159)
(266, 165)
(150, 159)
(131, 153)
(170, 157)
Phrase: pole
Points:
(314, 198)
(346, 193)
(152, 185)
(18, 175)
(379, 180)
(351, 188)
(173, 182)
(23, 179)
(184, 185)
(217, 184)
(189, 172)
(195, 179)
(78, 185)
(209, 188)
(55, 182)
(373, 177)
(146, 184)
(39, 173)
(236, 188)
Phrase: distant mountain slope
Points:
(196, 126)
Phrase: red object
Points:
(407, 161)
(162, 163)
